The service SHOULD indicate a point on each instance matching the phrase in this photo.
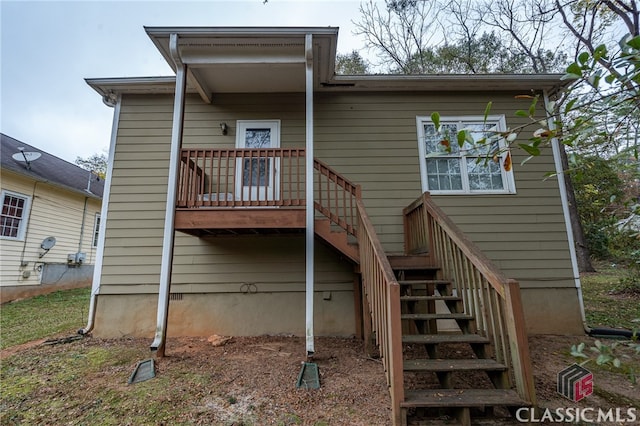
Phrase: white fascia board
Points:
(133, 85)
(240, 31)
(448, 82)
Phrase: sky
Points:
(48, 48)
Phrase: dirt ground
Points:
(249, 381)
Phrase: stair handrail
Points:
(336, 197)
(475, 277)
(382, 293)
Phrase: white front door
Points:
(257, 176)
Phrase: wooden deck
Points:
(240, 221)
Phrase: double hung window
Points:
(448, 168)
(15, 212)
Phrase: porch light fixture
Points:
(225, 128)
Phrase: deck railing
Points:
(226, 178)
(335, 197)
(241, 178)
(382, 293)
(488, 295)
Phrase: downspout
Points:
(97, 267)
(555, 145)
(158, 344)
(84, 215)
(310, 210)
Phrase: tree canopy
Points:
(96, 163)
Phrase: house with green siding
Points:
(257, 192)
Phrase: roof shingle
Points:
(49, 168)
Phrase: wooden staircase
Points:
(339, 239)
(450, 375)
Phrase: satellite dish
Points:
(26, 157)
(48, 243)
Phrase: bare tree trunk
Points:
(582, 250)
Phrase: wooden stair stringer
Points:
(337, 239)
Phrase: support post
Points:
(309, 194)
(158, 344)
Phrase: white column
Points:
(170, 210)
(309, 194)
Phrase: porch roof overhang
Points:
(248, 59)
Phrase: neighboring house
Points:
(208, 215)
(49, 222)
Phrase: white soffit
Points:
(237, 59)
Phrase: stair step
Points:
(428, 298)
(478, 398)
(439, 365)
(432, 339)
(427, 317)
(399, 261)
(417, 267)
(424, 282)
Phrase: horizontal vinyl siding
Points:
(55, 213)
(133, 243)
(369, 138)
(372, 140)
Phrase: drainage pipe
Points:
(97, 267)
(158, 343)
(555, 145)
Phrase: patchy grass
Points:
(43, 316)
(604, 305)
(247, 381)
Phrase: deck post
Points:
(158, 344)
(308, 44)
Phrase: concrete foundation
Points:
(228, 314)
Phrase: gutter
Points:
(555, 145)
(97, 268)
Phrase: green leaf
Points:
(531, 150)
(617, 363)
(603, 359)
(487, 110)
(462, 136)
(634, 42)
(570, 105)
(600, 52)
(610, 78)
(522, 113)
(574, 69)
(435, 118)
(583, 57)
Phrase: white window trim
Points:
(507, 176)
(22, 230)
(96, 230)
